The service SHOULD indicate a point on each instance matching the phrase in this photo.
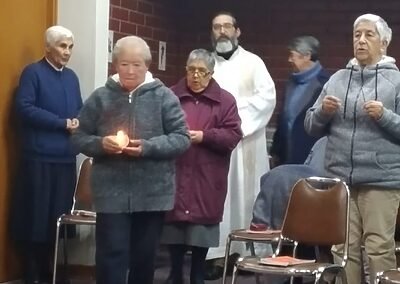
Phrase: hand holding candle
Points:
(134, 148)
(114, 144)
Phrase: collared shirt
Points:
(52, 65)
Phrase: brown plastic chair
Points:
(318, 215)
(81, 212)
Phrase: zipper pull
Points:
(130, 98)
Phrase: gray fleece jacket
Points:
(360, 150)
(152, 113)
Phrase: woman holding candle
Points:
(132, 185)
(214, 122)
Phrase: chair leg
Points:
(65, 250)
(252, 249)
(56, 252)
(258, 278)
(317, 278)
(253, 253)
(227, 251)
(234, 274)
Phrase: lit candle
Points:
(122, 139)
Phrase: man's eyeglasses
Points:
(226, 26)
(202, 72)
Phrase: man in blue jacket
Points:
(275, 187)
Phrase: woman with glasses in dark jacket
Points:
(214, 126)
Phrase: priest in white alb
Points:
(245, 76)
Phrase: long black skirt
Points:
(43, 192)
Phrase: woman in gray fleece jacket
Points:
(359, 112)
(133, 185)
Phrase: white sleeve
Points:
(256, 110)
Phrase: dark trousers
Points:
(127, 243)
(197, 269)
(36, 261)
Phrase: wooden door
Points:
(22, 24)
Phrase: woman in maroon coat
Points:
(214, 124)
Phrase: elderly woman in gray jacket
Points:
(359, 112)
(133, 179)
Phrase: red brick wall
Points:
(154, 21)
(267, 27)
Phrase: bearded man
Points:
(244, 75)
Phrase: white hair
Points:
(134, 42)
(385, 33)
(57, 33)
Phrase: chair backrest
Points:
(83, 193)
(318, 212)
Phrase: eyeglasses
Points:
(226, 26)
(202, 72)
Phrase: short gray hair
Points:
(305, 45)
(57, 33)
(385, 33)
(202, 55)
(133, 42)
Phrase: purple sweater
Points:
(202, 171)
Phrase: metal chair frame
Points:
(391, 276)
(76, 216)
(243, 236)
(320, 271)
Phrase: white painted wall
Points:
(88, 20)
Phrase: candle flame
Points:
(121, 138)
(120, 134)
